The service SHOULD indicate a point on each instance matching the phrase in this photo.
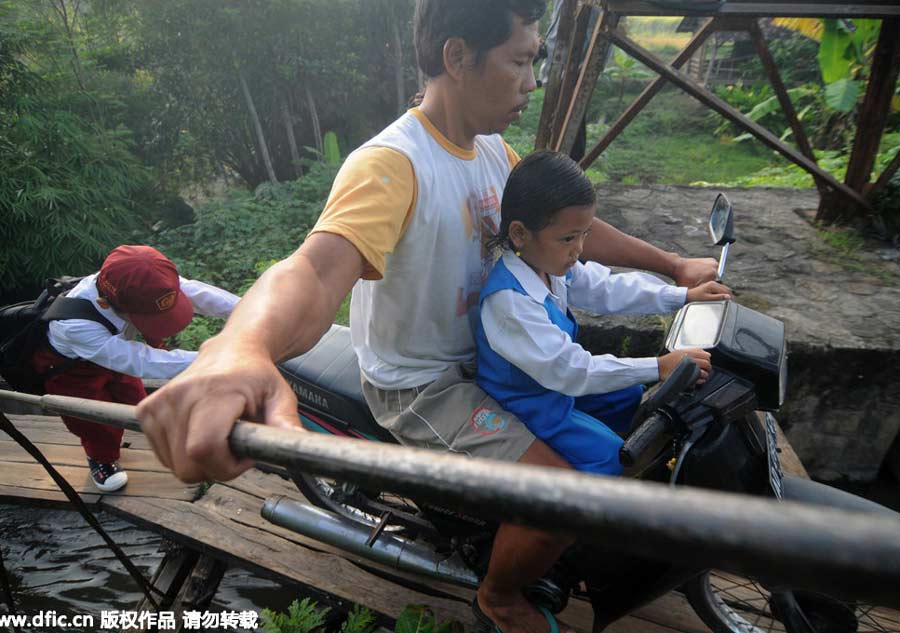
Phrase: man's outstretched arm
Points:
(611, 247)
(284, 314)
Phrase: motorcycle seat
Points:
(327, 383)
(330, 365)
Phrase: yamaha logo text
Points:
(310, 396)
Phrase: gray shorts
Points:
(450, 414)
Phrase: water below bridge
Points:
(55, 561)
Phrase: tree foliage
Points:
(110, 108)
(826, 65)
(230, 239)
(70, 186)
(302, 59)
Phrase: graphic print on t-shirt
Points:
(482, 221)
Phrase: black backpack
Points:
(23, 330)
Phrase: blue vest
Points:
(513, 389)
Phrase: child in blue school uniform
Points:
(528, 359)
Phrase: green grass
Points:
(846, 241)
(845, 247)
(343, 314)
(672, 141)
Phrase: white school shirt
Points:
(518, 328)
(91, 341)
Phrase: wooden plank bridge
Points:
(220, 526)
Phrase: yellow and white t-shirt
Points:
(419, 209)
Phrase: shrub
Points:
(233, 240)
(305, 616)
(302, 617)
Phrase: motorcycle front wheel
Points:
(728, 603)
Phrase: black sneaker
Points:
(107, 477)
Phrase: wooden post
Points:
(872, 116)
(587, 81)
(712, 61)
(174, 569)
(189, 581)
(697, 73)
(648, 93)
(570, 73)
(200, 589)
(554, 78)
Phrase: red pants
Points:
(88, 380)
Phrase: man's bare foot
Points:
(514, 614)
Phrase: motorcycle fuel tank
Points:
(743, 341)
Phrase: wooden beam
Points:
(872, 116)
(768, 62)
(200, 588)
(587, 81)
(784, 99)
(712, 101)
(649, 92)
(174, 569)
(554, 77)
(874, 10)
(876, 106)
(574, 61)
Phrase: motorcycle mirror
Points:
(721, 228)
(721, 221)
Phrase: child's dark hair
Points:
(542, 184)
(482, 24)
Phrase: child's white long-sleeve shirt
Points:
(91, 341)
(518, 329)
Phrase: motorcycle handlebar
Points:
(642, 438)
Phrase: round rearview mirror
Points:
(721, 225)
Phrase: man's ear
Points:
(455, 53)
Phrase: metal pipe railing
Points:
(846, 554)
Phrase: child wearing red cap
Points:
(138, 290)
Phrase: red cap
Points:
(142, 283)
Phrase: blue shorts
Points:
(587, 443)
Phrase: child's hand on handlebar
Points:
(709, 291)
(668, 362)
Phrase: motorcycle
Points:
(719, 435)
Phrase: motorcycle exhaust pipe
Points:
(349, 536)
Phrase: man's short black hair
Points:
(482, 25)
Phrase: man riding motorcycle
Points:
(408, 216)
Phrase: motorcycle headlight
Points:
(697, 325)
